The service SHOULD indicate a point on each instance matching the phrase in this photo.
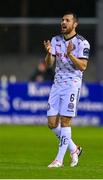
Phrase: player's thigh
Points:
(53, 101)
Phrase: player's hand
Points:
(70, 47)
(47, 46)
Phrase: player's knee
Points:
(52, 123)
(66, 121)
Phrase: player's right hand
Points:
(47, 46)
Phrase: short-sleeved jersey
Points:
(64, 66)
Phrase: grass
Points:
(26, 151)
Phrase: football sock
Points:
(57, 130)
(71, 145)
(65, 136)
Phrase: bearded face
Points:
(68, 24)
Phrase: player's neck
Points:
(70, 35)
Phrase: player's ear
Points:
(75, 24)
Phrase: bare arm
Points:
(49, 59)
(81, 64)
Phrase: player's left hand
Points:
(70, 47)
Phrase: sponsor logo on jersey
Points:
(70, 105)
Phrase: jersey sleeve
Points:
(84, 49)
(53, 43)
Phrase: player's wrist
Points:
(70, 54)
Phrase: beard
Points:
(67, 30)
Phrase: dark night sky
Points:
(47, 8)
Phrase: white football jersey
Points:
(65, 68)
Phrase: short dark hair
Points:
(73, 13)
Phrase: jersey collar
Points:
(70, 37)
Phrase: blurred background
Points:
(24, 25)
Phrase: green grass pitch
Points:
(26, 151)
